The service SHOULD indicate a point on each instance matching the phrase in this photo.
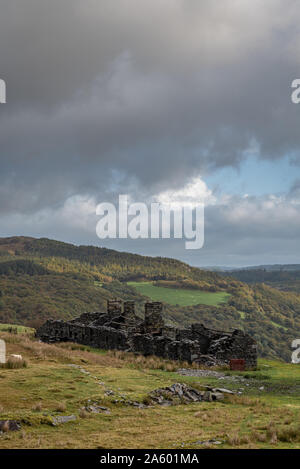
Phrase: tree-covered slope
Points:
(42, 278)
(106, 262)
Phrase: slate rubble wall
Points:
(124, 331)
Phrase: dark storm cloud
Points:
(139, 97)
(151, 92)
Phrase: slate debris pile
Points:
(180, 393)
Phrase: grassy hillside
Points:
(41, 279)
(61, 379)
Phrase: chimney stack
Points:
(153, 316)
(114, 307)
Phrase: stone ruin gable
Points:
(54, 331)
(123, 330)
(236, 345)
(224, 346)
(199, 333)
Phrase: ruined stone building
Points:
(120, 328)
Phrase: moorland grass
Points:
(49, 387)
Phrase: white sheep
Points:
(16, 357)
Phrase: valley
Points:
(42, 279)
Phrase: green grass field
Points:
(180, 297)
(16, 328)
(265, 415)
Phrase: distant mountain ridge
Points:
(267, 267)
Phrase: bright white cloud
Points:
(193, 193)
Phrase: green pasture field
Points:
(181, 297)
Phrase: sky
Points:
(155, 99)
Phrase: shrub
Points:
(233, 440)
(83, 414)
(37, 407)
(13, 363)
(289, 434)
(61, 407)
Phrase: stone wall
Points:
(123, 330)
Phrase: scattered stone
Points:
(207, 396)
(208, 360)
(180, 393)
(9, 426)
(209, 442)
(96, 409)
(201, 373)
(223, 390)
(62, 419)
(138, 404)
(210, 374)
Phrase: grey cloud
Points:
(140, 96)
(242, 231)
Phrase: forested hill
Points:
(43, 278)
(105, 264)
